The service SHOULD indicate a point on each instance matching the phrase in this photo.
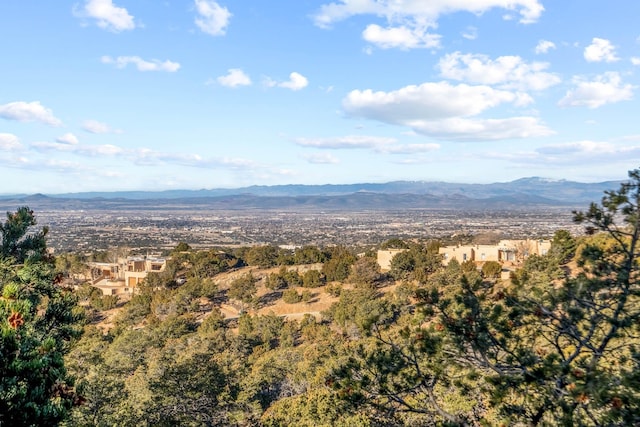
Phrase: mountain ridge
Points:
(542, 187)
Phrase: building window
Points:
(464, 257)
(482, 257)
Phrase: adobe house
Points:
(124, 276)
(513, 251)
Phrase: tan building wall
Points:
(505, 251)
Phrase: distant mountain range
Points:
(521, 193)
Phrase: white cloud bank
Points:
(141, 64)
(402, 37)
(409, 21)
(108, 16)
(606, 88)
(445, 111)
(29, 112)
(600, 50)
(529, 10)
(505, 71)
(212, 18)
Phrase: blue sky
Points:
(150, 94)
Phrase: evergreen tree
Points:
(38, 321)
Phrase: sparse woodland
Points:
(422, 345)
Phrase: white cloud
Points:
(375, 143)
(607, 88)
(635, 60)
(296, 82)
(463, 129)
(109, 16)
(212, 18)
(421, 11)
(141, 64)
(28, 112)
(9, 142)
(401, 37)
(322, 159)
(443, 111)
(544, 46)
(94, 126)
(506, 71)
(234, 78)
(68, 138)
(600, 50)
(348, 142)
(428, 101)
(83, 150)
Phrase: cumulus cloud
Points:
(296, 82)
(420, 10)
(606, 88)
(94, 126)
(600, 50)
(428, 101)
(544, 46)
(68, 138)
(141, 64)
(321, 159)
(29, 112)
(107, 15)
(402, 37)
(235, 77)
(506, 71)
(635, 60)
(444, 111)
(9, 142)
(212, 18)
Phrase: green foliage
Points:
(283, 279)
(563, 246)
(338, 267)
(551, 349)
(291, 296)
(262, 256)
(243, 288)
(38, 322)
(365, 271)
(309, 255)
(312, 279)
(491, 269)
(416, 263)
(18, 241)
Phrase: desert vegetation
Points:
(320, 336)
